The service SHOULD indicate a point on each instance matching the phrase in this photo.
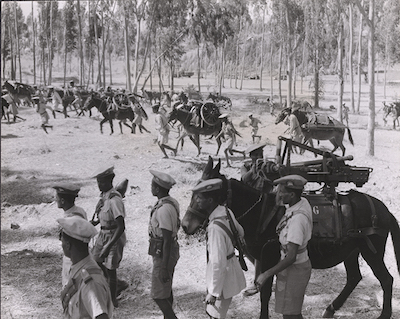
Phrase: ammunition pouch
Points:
(156, 247)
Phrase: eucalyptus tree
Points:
(291, 18)
(388, 35)
(317, 41)
(197, 28)
(167, 21)
(370, 19)
(6, 38)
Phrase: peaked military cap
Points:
(35, 98)
(104, 171)
(255, 147)
(291, 181)
(78, 228)
(163, 179)
(208, 185)
(251, 114)
(67, 189)
(222, 116)
(155, 105)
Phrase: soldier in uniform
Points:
(65, 198)
(110, 214)
(162, 127)
(87, 294)
(41, 109)
(293, 271)
(254, 127)
(229, 132)
(164, 248)
(224, 275)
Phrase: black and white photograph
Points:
(200, 159)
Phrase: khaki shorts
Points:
(114, 258)
(160, 289)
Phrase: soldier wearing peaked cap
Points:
(65, 198)
(164, 224)
(110, 214)
(224, 275)
(86, 294)
(259, 173)
(293, 271)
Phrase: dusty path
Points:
(31, 255)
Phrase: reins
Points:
(229, 201)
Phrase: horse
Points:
(259, 215)
(185, 117)
(220, 100)
(109, 114)
(392, 109)
(332, 131)
(20, 92)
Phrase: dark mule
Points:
(370, 226)
(20, 92)
(393, 110)
(110, 114)
(184, 116)
(333, 131)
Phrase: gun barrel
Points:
(319, 161)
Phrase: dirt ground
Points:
(32, 161)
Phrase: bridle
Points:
(228, 202)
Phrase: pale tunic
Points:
(162, 128)
(224, 277)
(67, 263)
(92, 298)
(295, 129)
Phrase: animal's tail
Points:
(350, 136)
(395, 233)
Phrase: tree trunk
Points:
(340, 72)
(198, 67)
(127, 62)
(289, 55)
(243, 59)
(109, 66)
(359, 64)
(137, 47)
(65, 52)
(351, 71)
(262, 50)
(104, 41)
(316, 77)
(96, 35)
(279, 76)
(271, 69)
(33, 47)
(50, 45)
(18, 51)
(80, 44)
(371, 79)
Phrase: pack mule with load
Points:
(345, 225)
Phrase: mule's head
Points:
(282, 115)
(194, 217)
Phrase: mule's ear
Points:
(209, 166)
(218, 166)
